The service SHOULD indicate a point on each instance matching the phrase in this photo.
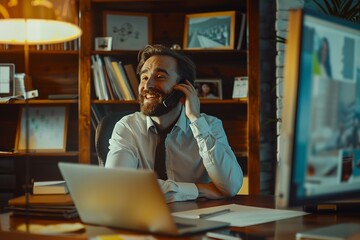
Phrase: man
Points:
(198, 161)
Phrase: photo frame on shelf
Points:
(209, 88)
(129, 31)
(103, 43)
(213, 30)
(45, 127)
(241, 87)
(7, 80)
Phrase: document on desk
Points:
(240, 215)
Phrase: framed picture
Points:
(7, 74)
(129, 31)
(43, 127)
(208, 88)
(103, 43)
(240, 89)
(215, 30)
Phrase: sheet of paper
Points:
(241, 216)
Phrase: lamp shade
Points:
(38, 22)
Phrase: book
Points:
(46, 199)
(134, 81)
(64, 212)
(108, 84)
(50, 187)
(122, 79)
(101, 75)
(46, 205)
(113, 79)
(63, 96)
(95, 78)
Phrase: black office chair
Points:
(103, 133)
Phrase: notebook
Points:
(127, 199)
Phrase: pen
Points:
(213, 214)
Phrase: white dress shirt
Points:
(196, 152)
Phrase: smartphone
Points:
(173, 98)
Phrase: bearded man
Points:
(187, 149)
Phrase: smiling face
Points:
(158, 75)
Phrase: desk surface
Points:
(282, 229)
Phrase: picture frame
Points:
(213, 30)
(241, 87)
(103, 43)
(46, 129)
(129, 31)
(7, 79)
(209, 88)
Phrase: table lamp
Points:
(33, 22)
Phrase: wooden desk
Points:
(282, 229)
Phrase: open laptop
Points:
(126, 198)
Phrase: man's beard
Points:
(153, 108)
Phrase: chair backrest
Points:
(103, 133)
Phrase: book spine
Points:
(96, 78)
(108, 84)
(101, 77)
(113, 79)
(122, 80)
(134, 81)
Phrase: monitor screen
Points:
(319, 157)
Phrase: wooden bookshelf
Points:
(240, 117)
(69, 72)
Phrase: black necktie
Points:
(159, 165)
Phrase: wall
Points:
(282, 12)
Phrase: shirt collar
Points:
(182, 122)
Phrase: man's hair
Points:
(185, 66)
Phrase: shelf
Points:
(39, 154)
(34, 52)
(209, 55)
(165, 5)
(40, 102)
(202, 101)
(95, 101)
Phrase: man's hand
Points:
(209, 190)
(192, 101)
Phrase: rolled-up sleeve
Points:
(218, 157)
(178, 191)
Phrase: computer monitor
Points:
(319, 158)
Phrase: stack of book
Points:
(49, 199)
(45, 205)
(113, 80)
